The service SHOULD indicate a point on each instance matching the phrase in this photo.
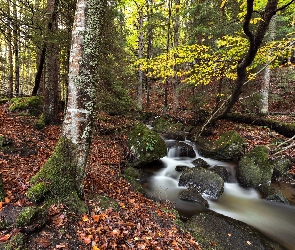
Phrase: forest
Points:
(81, 79)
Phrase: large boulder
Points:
(205, 182)
(180, 149)
(229, 147)
(169, 128)
(281, 167)
(271, 194)
(145, 145)
(224, 233)
(255, 169)
(190, 194)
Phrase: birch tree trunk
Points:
(267, 73)
(140, 55)
(61, 177)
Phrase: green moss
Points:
(16, 242)
(145, 144)
(2, 192)
(3, 100)
(37, 192)
(40, 124)
(32, 104)
(255, 168)
(27, 216)
(163, 125)
(56, 181)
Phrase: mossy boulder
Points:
(220, 232)
(190, 194)
(281, 167)
(255, 168)
(205, 182)
(171, 129)
(146, 145)
(271, 194)
(180, 149)
(32, 105)
(229, 147)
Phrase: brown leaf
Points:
(42, 242)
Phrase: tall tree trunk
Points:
(140, 55)
(40, 67)
(255, 40)
(51, 90)
(167, 51)
(267, 74)
(10, 55)
(176, 80)
(16, 48)
(62, 175)
(150, 36)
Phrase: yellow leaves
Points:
(85, 218)
(222, 4)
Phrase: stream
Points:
(274, 219)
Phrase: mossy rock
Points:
(32, 105)
(229, 147)
(216, 231)
(31, 215)
(40, 123)
(281, 167)
(255, 168)
(146, 145)
(16, 242)
(164, 125)
(270, 193)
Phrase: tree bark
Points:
(62, 175)
(267, 73)
(140, 55)
(51, 89)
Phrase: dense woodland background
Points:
(173, 55)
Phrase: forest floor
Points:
(133, 221)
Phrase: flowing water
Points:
(275, 219)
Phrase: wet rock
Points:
(190, 194)
(146, 145)
(222, 172)
(270, 193)
(201, 163)
(281, 167)
(229, 147)
(180, 168)
(204, 181)
(225, 233)
(255, 169)
(181, 149)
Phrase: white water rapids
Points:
(275, 219)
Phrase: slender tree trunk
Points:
(255, 40)
(51, 89)
(176, 80)
(150, 36)
(140, 55)
(167, 51)
(16, 48)
(38, 75)
(267, 73)
(63, 174)
(10, 55)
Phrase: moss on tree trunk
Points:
(56, 181)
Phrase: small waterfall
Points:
(274, 219)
